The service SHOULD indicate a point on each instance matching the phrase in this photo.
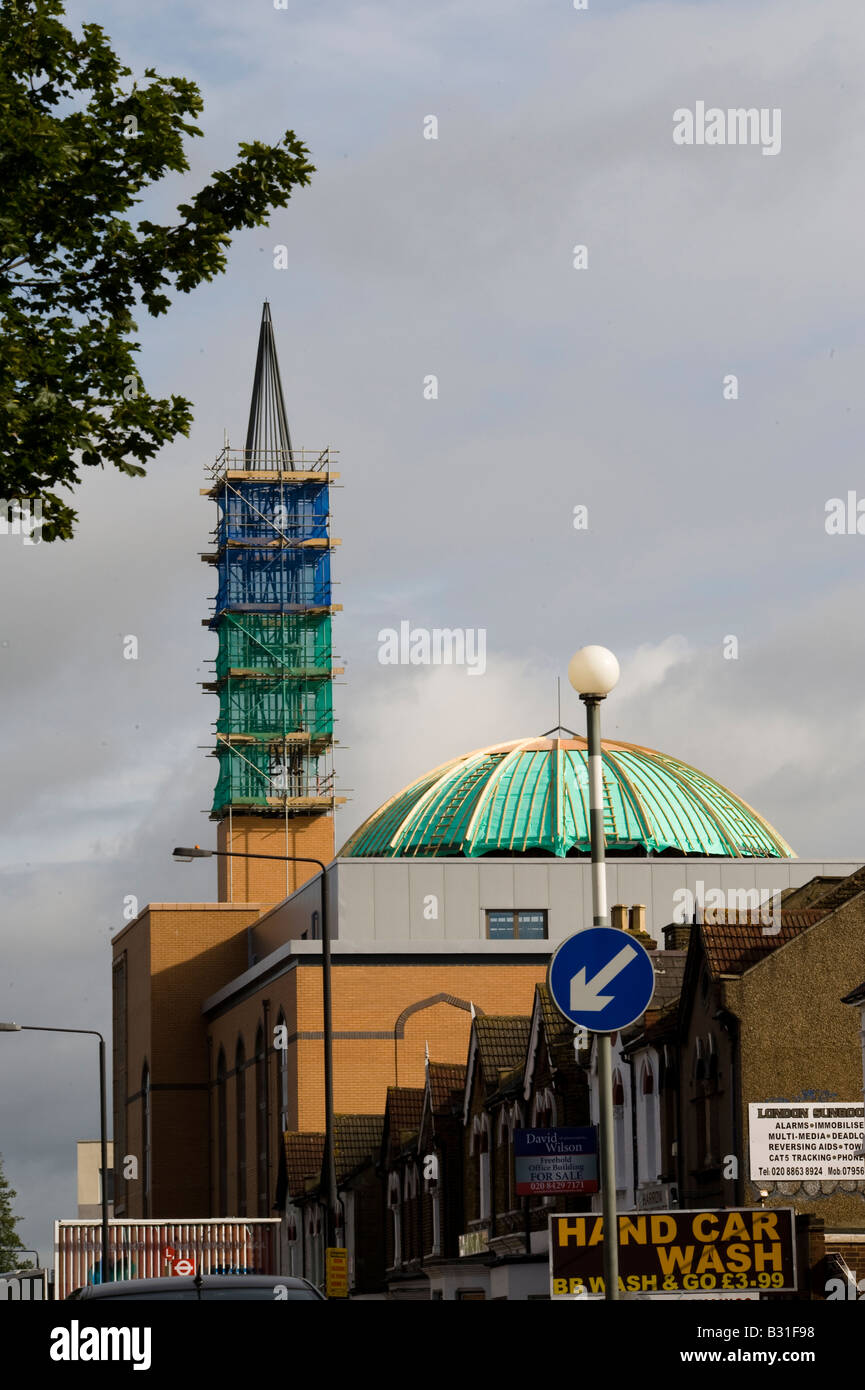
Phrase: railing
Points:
(271, 461)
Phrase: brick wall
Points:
(177, 954)
(251, 880)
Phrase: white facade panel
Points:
(666, 882)
(565, 912)
(356, 900)
(531, 886)
(635, 884)
(462, 901)
(427, 903)
(392, 908)
(496, 886)
(383, 900)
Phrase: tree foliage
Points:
(9, 1238)
(80, 141)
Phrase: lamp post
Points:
(593, 672)
(103, 1123)
(186, 855)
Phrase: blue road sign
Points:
(601, 979)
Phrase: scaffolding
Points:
(272, 612)
(294, 645)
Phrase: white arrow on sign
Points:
(587, 997)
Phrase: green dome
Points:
(532, 796)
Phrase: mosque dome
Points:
(531, 796)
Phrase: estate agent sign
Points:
(556, 1160)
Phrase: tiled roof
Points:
(356, 1138)
(811, 892)
(509, 1082)
(735, 944)
(754, 917)
(502, 1044)
(447, 1083)
(303, 1155)
(558, 1031)
(669, 969)
(848, 888)
(402, 1113)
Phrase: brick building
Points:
(443, 906)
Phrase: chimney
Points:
(637, 927)
(619, 917)
(676, 936)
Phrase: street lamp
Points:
(103, 1132)
(185, 855)
(593, 672)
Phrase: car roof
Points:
(179, 1282)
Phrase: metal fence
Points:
(151, 1249)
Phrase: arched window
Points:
(713, 1117)
(649, 1125)
(282, 1065)
(619, 1127)
(261, 1120)
(702, 1106)
(393, 1201)
(481, 1147)
(433, 1190)
(222, 1134)
(146, 1126)
(240, 1096)
(510, 1119)
(544, 1109)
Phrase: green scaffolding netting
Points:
(256, 774)
(263, 706)
(275, 642)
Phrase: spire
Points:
(268, 443)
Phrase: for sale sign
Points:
(726, 1251)
(556, 1160)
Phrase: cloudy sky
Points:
(558, 387)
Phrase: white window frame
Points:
(648, 1123)
(393, 1201)
(481, 1126)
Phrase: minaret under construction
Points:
(274, 667)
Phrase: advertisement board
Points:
(336, 1271)
(789, 1143)
(153, 1249)
(556, 1160)
(729, 1251)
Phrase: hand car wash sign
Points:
(676, 1252)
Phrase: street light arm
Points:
(37, 1028)
(180, 852)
